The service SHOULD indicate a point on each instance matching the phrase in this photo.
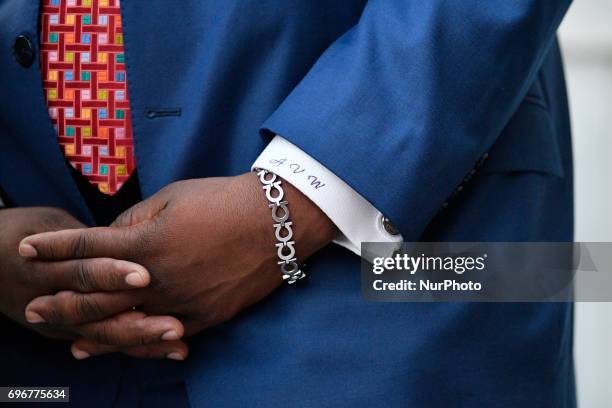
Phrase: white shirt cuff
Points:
(357, 219)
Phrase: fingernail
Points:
(27, 251)
(170, 335)
(33, 317)
(135, 279)
(80, 354)
(175, 355)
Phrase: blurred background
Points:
(586, 40)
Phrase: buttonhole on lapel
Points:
(153, 113)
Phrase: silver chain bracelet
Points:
(285, 247)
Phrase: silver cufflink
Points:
(389, 227)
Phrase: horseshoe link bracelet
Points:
(285, 247)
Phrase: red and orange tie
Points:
(85, 83)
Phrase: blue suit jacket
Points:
(398, 98)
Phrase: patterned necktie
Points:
(84, 79)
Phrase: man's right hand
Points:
(21, 280)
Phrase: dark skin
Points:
(208, 244)
(107, 280)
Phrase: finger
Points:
(71, 308)
(176, 350)
(173, 350)
(90, 275)
(132, 329)
(80, 243)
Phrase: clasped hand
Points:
(203, 249)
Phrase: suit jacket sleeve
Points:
(404, 104)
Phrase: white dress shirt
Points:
(357, 219)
